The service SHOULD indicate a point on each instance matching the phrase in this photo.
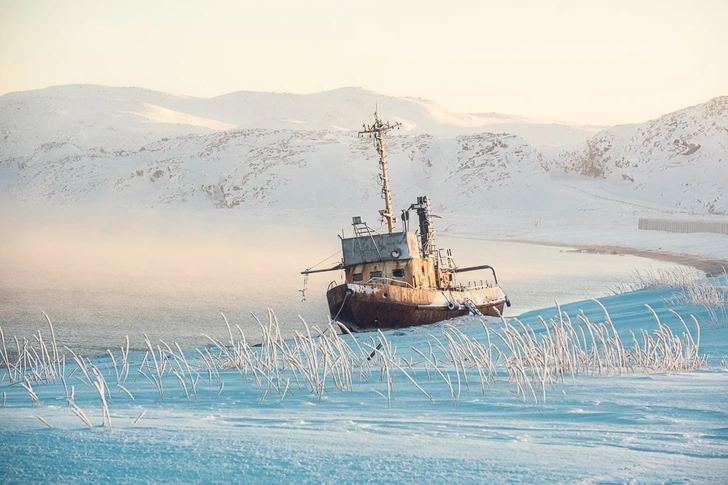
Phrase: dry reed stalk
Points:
(237, 362)
(63, 373)
(126, 392)
(124, 363)
(54, 346)
(437, 369)
(100, 385)
(345, 329)
(698, 361)
(159, 367)
(77, 411)
(151, 352)
(182, 384)
(475, 354)
(193, 382)
(70, 398)
(21, 357)
(297, 366)
(42, 361)
(230, 358)
(5, 356)
(618, 343)
(207, 365)
(689, 343)
(141, 415)
(33, 396)
(141, 365)
(215, 367)
(44, 422)
(116, 368)
(456, 354)
(81, 364)
(285, 390)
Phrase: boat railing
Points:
(332, 285)
(389, 281)
(475, 268)
(479, 285)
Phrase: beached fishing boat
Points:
(402, 279)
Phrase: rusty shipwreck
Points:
(401, 279)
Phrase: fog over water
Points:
(103, 274)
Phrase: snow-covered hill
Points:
(135, 147)
(281, 168)
(71, 144)
(679, 159)
(86, 115)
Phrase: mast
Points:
(377, 130)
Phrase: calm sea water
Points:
(94, 308)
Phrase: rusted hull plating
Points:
(371, 307)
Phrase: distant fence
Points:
(684, 226)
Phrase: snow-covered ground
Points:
(442, 420)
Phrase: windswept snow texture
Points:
(628, 428)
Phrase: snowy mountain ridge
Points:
(56, 113)
(681, 157)
(130, 146)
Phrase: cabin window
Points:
(357, 277)
(398, 273)
(375, 274)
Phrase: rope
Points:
(346, 295)
(305, 284)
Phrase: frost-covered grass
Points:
(673, 277)
(597, 391)
(711, 294)
(319, 361)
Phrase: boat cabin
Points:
(394, 258)
(391, 258)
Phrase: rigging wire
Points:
(324, 260)
(305, 276)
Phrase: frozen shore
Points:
(605, 423)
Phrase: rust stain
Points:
(371, 307)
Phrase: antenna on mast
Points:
(377, 130)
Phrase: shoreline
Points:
(710, 267)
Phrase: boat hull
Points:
(364, 307)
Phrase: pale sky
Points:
(604, 62)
